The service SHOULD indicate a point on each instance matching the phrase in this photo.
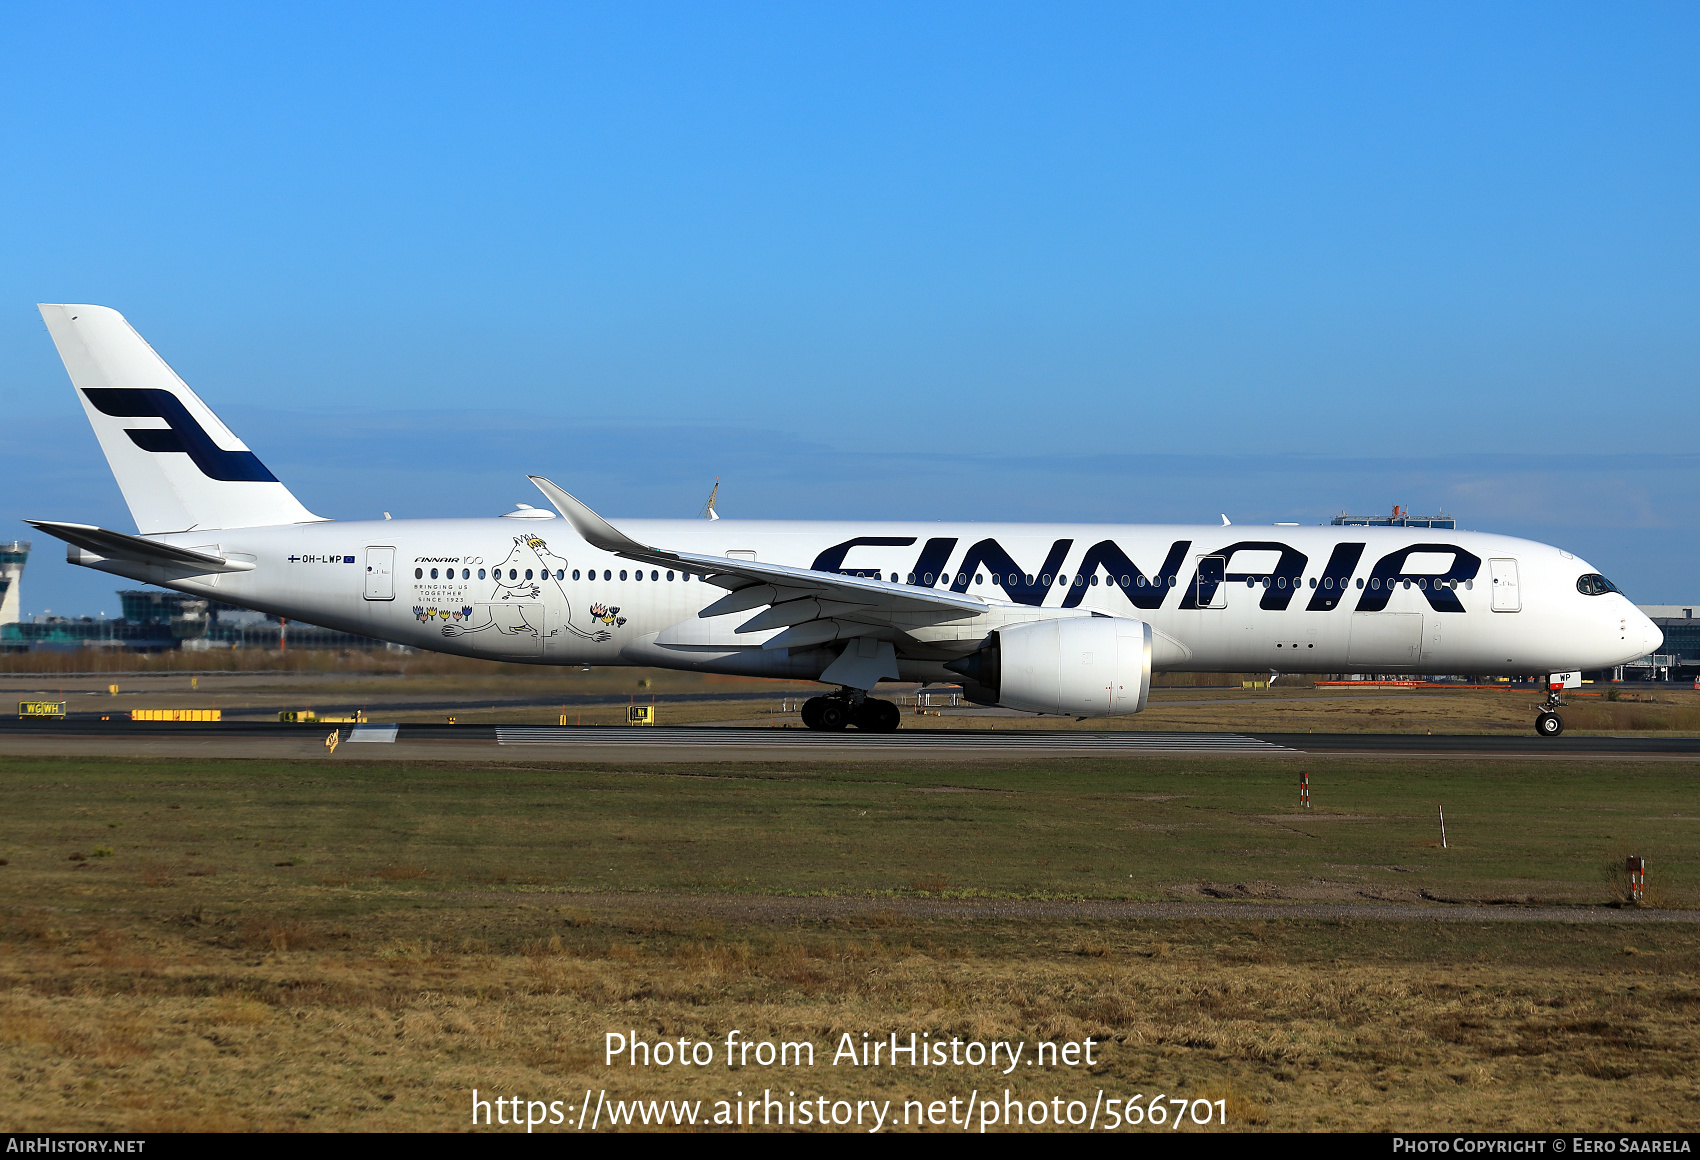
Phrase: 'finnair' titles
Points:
(1069, 619)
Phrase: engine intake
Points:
(1085, 666)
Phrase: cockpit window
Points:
(1593, 584)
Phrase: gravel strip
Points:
(781, 908)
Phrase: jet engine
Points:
(1085, 666)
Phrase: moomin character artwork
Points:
(522, 580)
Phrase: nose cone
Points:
(1652, 636)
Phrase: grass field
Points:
(332, 944)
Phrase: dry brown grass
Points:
(1299, 708)
(176, 1024)
(319, 982)
(1619, 717)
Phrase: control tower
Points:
(12, 559)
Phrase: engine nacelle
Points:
(1082, 666)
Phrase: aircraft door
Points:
(1212, 582)
(1506, 597)
(380, 573)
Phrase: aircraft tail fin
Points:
(178, 466)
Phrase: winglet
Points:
(597, 532)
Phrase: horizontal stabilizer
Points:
(112, 545)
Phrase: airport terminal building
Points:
(157, 621)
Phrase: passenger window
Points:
(1313, 581)
(609, 575)
(575, 573)
(1094, 579)
(638, 575)
(622, 573)
(977, 578)
(669, 575)
(419, 573)
(654, 575)
(433, 573)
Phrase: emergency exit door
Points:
(1212, 582)
(1506, 598)
(380, 573)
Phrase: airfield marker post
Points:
(1304, 789)
(1637, 867)
(1442, 810)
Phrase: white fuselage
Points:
(1290, 599)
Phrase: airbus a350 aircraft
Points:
(1050, 618)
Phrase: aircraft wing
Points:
(812, 607)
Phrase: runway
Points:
(415, 741)
(976, 739)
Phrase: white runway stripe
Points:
(797, 738)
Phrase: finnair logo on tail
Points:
(182, 434)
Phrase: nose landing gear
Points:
(1548, 723)
(833, 712)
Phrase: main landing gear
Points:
(1549, 723)
(835, 711)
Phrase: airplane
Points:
(1066, 619)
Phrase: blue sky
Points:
(1112, 262)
